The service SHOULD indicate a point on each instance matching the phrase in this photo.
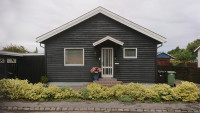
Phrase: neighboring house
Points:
(101, 38)
(164, 59)
(164, 55)
(198, 55)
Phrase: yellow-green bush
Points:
(34, 92)
(186, 92)
(136, 91)
(22, 89)
(14, 88)
(164, 91)
(97, 92)
(84, 93)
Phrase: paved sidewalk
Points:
(100, 106)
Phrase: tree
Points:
(175, 51)
(187, 54)
(184, 56)
(192, 46)
(15, 48)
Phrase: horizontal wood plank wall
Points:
(83, 35)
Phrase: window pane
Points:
(130, 52)
(74, 56)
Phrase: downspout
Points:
(41, 45)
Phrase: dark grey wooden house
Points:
(101, 38)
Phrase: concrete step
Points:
(109, 82)
(107, 79)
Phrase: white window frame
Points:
(74, 64)
(131, 56)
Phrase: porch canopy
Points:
(110, 39)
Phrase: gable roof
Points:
(108, 38)
(107, 13)
(159, 55)
(197, 49)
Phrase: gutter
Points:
(41, 45)
(160, 45)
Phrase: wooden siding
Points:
(83, 35)
(31, 68)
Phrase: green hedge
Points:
(22, 89)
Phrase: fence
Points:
(31, 68)
(183, 73)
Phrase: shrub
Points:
(14, 88)
(84, 93)
(34, 92)
(198, 98)
(136, 91)
(66, 88)
(125, 98)
(97, 92)
(21, 89)
(186, 92)
(44, 79)
(164, 91)
(66, 93)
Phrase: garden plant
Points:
(16, 89)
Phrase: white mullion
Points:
(112, 61)
(108, 61)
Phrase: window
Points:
(130, 53)
(73, 57)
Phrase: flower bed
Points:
(22, 89)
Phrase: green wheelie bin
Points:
(171, 78)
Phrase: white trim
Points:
(108, 38)
(107, 13)
(129, 57)
(102, 62)
(197, 49)
(74, 64)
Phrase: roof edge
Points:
(197, 49)
(107, 13)
(108, 38)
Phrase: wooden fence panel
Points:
(31, 68)
(183, 73)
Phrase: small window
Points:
(130, 53)
(73, 56)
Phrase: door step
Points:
(107, 82)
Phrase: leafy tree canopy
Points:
(15, 48)
(187, 54)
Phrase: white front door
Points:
(107, 62)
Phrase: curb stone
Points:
(15, 108)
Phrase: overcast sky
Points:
(21, 21)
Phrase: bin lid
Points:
(171, 71)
